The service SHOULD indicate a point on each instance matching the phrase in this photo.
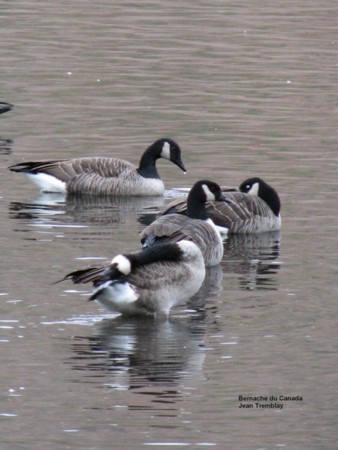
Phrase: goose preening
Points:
(4, 107)
(104, 175)
(195, 226)
(254, 208)
(148, 282)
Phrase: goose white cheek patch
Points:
(209, 195)
(122, 263)
(254, 189)
(165, 153)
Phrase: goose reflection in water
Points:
(39, 208)
(5, 146)
(144, 357)
(211, 287)
(255, 258)
(105, 210)
(85, 209)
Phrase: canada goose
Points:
(149, 282)
(4, 107)
(254, 208)
(102, 175)
(196, 226)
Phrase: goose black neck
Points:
(270, 196)
(156, 253)
(147, 166)
(196, 205)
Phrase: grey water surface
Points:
(246, 88)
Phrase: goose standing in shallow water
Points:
(148, 282)
(196, 226)
(254, 208)
(104, 175)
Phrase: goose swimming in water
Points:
(196, 226)
(104, 175)
(254, 208)
(148, 282)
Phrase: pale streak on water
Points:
(246, 88)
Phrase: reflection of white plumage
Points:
(104, 176)
(254, 208)
(144, 353)
(196, 226)
(150, 282)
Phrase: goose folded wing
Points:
(105, 167)
(66, 170)
(155, 276)
(164, 230)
